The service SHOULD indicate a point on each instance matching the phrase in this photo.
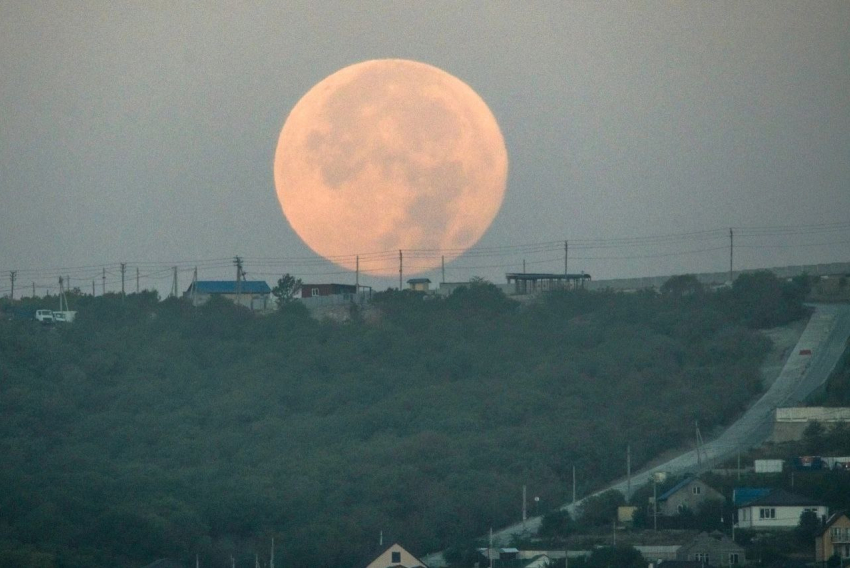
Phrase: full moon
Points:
(390, 155)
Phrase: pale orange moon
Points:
(390, 154)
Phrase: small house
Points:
(690, 493)
(778, 509)
(715, 549)
(316, 290)
(419, 284)
(834, 539)
(396, 557)
(253, 294)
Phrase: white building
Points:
(777, 510)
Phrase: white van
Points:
(44, 316)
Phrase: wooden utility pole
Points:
(123, 271)
(628, 472)
(523, 266)
(103, 282)
(194, 285)
(174, 282)
(731, 253)
(357, 274)
(524, 510)
(400, 269)
(92, 288)
(137, 280)
(443, 268)
(271, 560)
(566, 259)
(33, 289)
(238, 262)
(12, 275)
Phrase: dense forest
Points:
(151, 429)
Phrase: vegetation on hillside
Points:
(153, 429)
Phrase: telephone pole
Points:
(174, 282)
(137, 280)
(628, 472)
(194, 292)
(123, 271)
(238, 262)
(12, 275)
(443, 268)
(400, 269)
(566, 259)
(574, 488)
(357, 274)
(33, 289)
(103, 282)
(524, 510)
(731, 253)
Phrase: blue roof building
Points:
(253, 294)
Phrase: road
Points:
(825, 336)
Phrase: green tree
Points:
(601, 509)
(556, 524)
(286, 288)
(808, 528)
(685, 285)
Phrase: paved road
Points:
(825, 335)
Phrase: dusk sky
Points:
(145, 132)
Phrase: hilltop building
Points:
(396, 557)
(520, 283)
(253, 294)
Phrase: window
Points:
(680, 508)
(701, 557)
(696, 489)
(765, 513)
(836, 532)
(396, 557)
(733, 558)
(314, 292)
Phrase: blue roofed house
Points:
(690, 493)
(253, 294)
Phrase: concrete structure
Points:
(777, 510)
(715, 549)
(834, 539)
(790, 423)
(768, 466)
(534, 282)
(253, 294)
(419, 284)
(690, 493)
(397, 557)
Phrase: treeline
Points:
(152, 429)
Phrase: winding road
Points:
(825, 337)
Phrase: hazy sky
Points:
(144, 132)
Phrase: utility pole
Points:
(699, 445)
(194, 284)
(137, 280)
(271, 560)
(357, 274)
(238, 262)
(12, 275)
(566, 259)
(739, 465)
(655, 502)
(92, 289)
(33, 290)
(523, 266)
(174, 282)
(731, 253)
(490, 548)
(103, 282)
(123, 271)
(443, 268)
(400, 269)
(628, 472)
(524, 511)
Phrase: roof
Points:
(676, 488)
(229, 287)
(831, 521)
(743, 495)
(782, 498)
(545, 276)
(419, 281)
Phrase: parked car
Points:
(44, 316)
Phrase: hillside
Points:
(150, 429)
